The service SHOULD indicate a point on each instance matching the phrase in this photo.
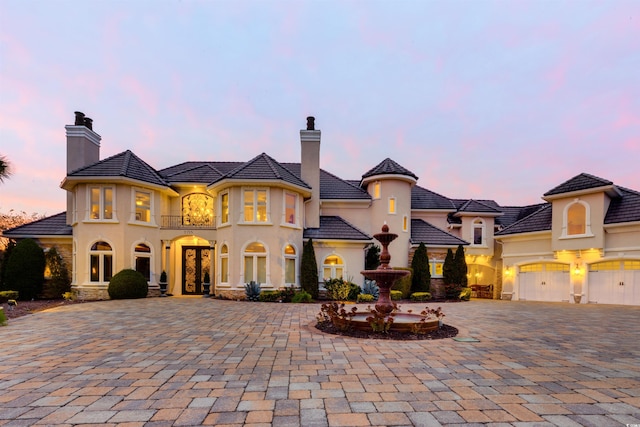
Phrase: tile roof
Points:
(264, 167)
(421, 198)
(55, 225)
(430, 235)
(389, 167)
(539, 220)
(476, 206)
(584, 181)
(193, 172)
(335, 228)
(512, 214)
(125, 164)
(625, 208)
(332, 187)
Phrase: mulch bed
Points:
(28, 307)
(446, 331)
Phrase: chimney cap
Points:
(311, 125)
(79, 118)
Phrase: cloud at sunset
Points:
(499, 100)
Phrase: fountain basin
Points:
(402, 322)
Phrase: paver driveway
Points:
(194, 361)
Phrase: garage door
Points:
(544, 282)
(614, 282)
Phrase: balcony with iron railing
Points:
(175, 222)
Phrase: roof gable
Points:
(430, 235)
(584, 181)
(388, 167)
(335, 228)
(55, 225)
(475, 206)
(263, 167)
(125, 164)
(625, 208)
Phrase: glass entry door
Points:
(196, 261)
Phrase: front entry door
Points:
(195, 261)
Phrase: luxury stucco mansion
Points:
(244, 221)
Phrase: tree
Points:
(447, 268)
(421, 281)
(3, 263)
(5, 168)
(14, 219)
(59, 281)
(25, 269)
(461, 267)
(372, 257)
(309, 270)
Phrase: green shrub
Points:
(420, 296)
(24, 271)
(421, 276)
(395, 295)
(252, 291)
(269, 296)
(403, 284)
(3, 318)
(338, 289)
(127, 284)
(465, 294)
(287, 293)
(309, 270)
(354, 291)
(7, 295)
(365, 298)
(301, 296)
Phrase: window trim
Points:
(101, 203)
(223, 256)
(405, 223)
(433, 268)
(479, 223)
(334, 266)
(135, 255)
(296, 267)
(221, 197)
(255, 191)
(210, 203)
(255, 256)
(565, 221)
(392, 206)
(134, 220)
(296, 216)
(101, 254)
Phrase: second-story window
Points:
(143, 206)
(576, 219)
(290, 202)
(101, 203)
(255, 205)
(478, 232)
(392, 205)
(224, 208)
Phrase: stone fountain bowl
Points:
(384, 276)
(402, 322)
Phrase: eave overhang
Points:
(70, 182)
(225, 183)
(610, 190)
(411, 180)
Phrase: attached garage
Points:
(614, 282)
(544, 282)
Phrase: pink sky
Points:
(488, 99)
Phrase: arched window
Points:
(143, 260)
(290, 262)
(332, 267)
(255, 263)
(197, 210)
(576, 219)
(224, 264)
(101, 262)
(478, 232)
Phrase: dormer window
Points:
(478, 232)
(576, 220)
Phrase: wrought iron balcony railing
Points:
(177, 221)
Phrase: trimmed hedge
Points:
(395, 295)
(128, 284)
(420, 296)
(365, 298)
(24, 270)
(301, 297)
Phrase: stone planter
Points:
(577, 298)
(163, 289)
(206, 290)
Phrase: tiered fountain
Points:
(385, 276)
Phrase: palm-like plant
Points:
(5, 168)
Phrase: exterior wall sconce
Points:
(508, 272)
(577, 271)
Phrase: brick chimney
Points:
(310, 171)
(83, 149)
